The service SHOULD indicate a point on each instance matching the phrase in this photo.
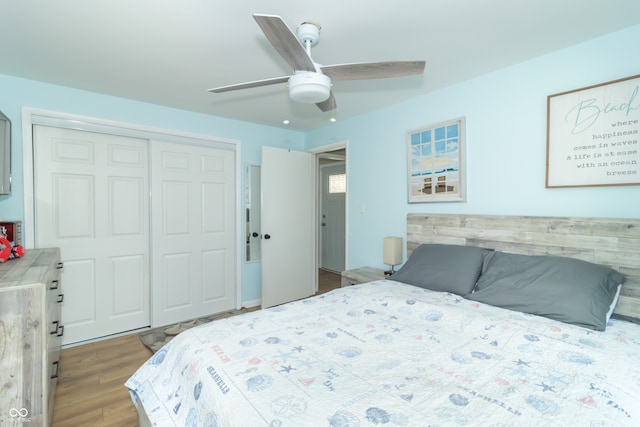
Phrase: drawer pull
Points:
(60, 298)
(57, 366)
(61, 331)
(60, 265)
(56, 324)
(55, 284)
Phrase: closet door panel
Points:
(92, 201)
(194, 231)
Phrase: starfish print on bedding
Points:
(546, 387)
(287, 368)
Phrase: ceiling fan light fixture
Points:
(311, 82)
(309, 87)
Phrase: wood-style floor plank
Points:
(91, 391)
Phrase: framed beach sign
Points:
(436, 162)
(593, 135)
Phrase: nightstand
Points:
(361, 275)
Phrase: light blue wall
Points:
(16, 93)
(506, 146)
(506, 143)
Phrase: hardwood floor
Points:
(327, 281)
(91, 390)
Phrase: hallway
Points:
(327, 280)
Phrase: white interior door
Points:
(194, 231)
(332, 221)
(91, 200)
(288, 225)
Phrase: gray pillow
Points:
(443, 268)
(564, 289)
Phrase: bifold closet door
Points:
(92, 201)
(194, 218)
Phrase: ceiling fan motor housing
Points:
(309, 32)
(309, 87)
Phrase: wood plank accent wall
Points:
(611, 242)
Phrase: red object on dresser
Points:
(14, 231)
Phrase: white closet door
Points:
(92, 193)
(194, 231)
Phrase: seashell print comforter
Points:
(386, 353)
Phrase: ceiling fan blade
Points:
(373, 70)
(248, 85)
(285, 42)
(329, 104)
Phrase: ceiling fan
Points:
(310, 82)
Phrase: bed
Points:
(446, 349)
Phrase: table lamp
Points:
(392, 253)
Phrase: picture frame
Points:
(436, 162)
(593, 135)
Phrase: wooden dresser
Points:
(30, 337)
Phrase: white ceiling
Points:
(170, 52)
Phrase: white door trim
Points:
(319, 150)
(32, 116)
(330, 147)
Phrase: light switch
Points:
(362, 207)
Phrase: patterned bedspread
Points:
(386, 353)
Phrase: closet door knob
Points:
(267, 236)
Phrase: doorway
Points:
(333, 189)
(331, 215)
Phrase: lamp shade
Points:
(392, 250)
